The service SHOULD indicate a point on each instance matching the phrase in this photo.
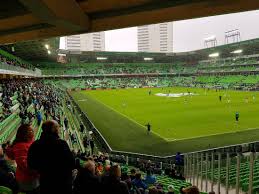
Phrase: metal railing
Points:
(234, 168)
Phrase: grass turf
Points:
(178, 124)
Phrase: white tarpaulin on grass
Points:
(175, 95)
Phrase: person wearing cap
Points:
(170, 189)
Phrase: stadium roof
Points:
(29, 19)
(34, 50)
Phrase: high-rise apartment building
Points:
(156, 38)
(86, 42)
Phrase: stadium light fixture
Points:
(237, 51)
(61, 54)
(49, 52)
(213, 55)
(46, 46)
(101, 58)
(148, 59)
(213, 37)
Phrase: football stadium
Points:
(179, 114)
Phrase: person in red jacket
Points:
(27, 179)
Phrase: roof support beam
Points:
(64, 14)
(32, 35)
(163, 12)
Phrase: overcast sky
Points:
(189, 34)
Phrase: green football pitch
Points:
(198, 120)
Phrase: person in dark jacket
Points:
(82, 128)
(138, 182)
(66, 123)
(112, 184)
(86, 181)
(52, 159)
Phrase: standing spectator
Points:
(52, 158)
(112, 183)
(25, 177)
(86, 181)
(66, 123)
(179, 163)
(82, 128)
(39, 117)
(132, 174)
(92, 145)
(138, 182)
(150, 179)
(85, 142)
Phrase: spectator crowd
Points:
(48, 166)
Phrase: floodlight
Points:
(237, 51)
(61, 54)
(46, 46)
(212, 55)
(101, 58)
(213, 37)
(148, 59)
(49, 52)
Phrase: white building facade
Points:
(156, 38)
(86, 42)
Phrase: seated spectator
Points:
(170, 189)
(112, 184)
(26, 178)
(138, 182)
(150, 179)
(132, 174)
(52, 159)
(154, 190)
(190, 190)
(99, 169)
(107, 165)
(7, 177)
(86, 181)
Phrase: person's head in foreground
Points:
(90, 166)
(50, 129)
(115, 171)
(24, 134)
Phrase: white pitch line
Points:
(128, 118)
(249, 129)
